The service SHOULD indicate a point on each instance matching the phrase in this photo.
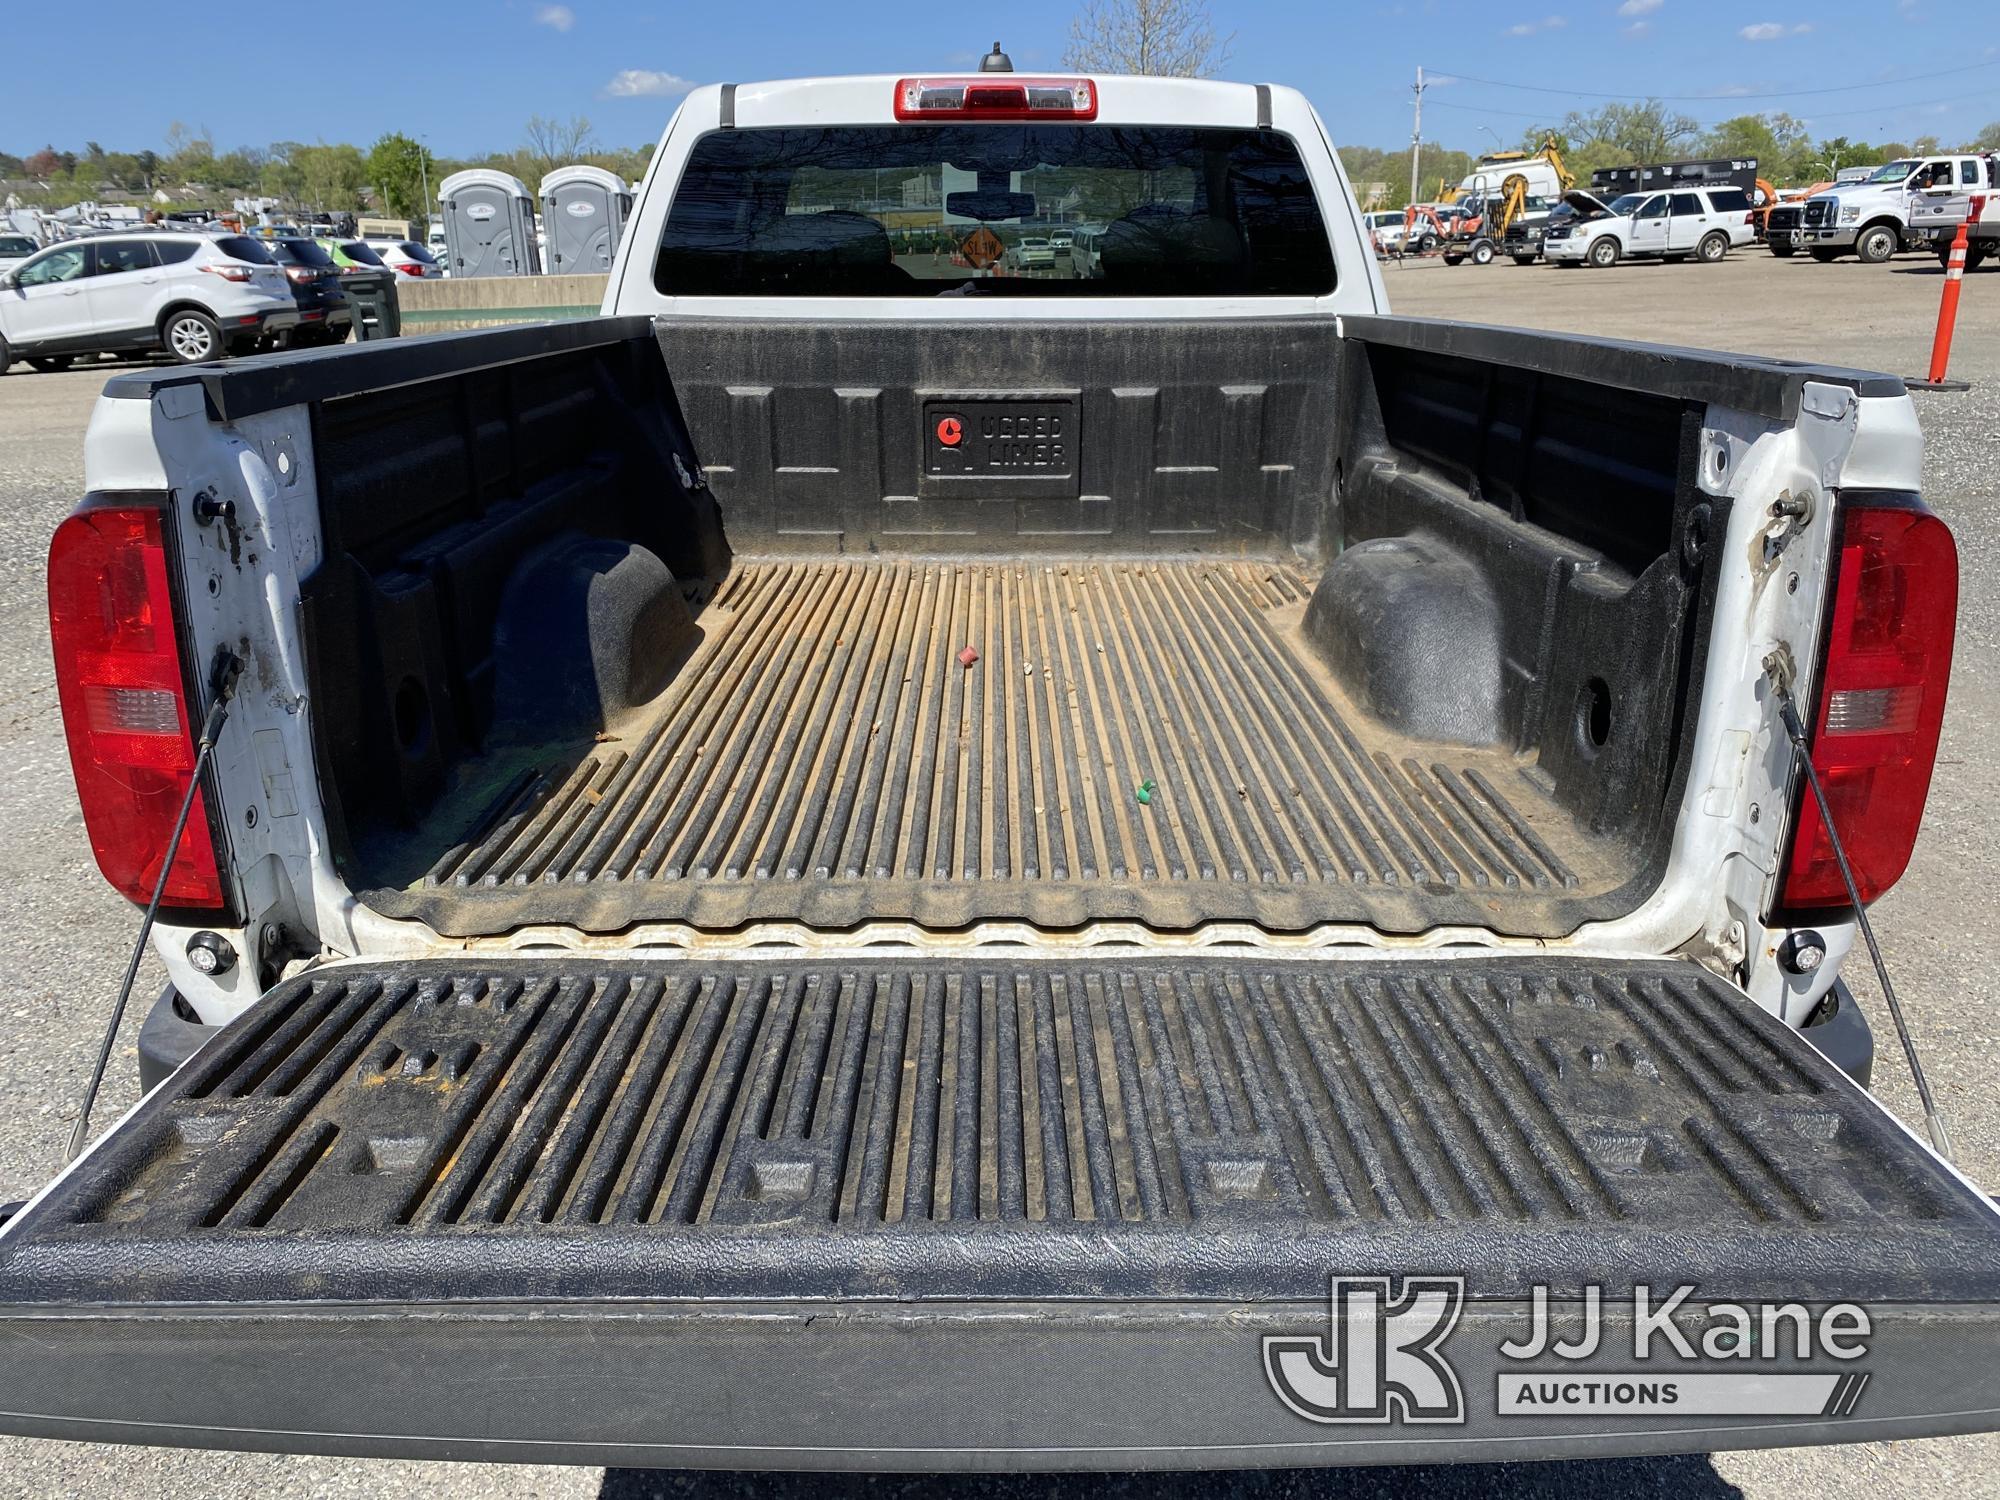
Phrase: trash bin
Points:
(489, 224)
(583, 213)
(372, 294)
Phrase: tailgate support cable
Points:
(1780, 672)
(221, 683)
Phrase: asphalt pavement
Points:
(64, 935)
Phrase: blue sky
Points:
(467, 73)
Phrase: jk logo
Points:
(1380, 1360)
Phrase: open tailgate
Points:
(934, 1213)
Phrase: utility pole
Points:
(424, 177)
(1417, 134)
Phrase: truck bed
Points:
(672, 626)
(1142, 739)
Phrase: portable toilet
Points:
(583, 211)
(489, 224)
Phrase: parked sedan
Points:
(1034, 252)
(14, 248)
(408, 259)
(352, 255)
(324, 316)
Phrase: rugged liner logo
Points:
(1382, 1358)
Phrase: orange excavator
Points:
(1478, 231)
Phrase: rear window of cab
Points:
(947, 210)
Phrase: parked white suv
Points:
(1705, 223)
(197, 296)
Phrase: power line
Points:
(1545, 118)
(1441, 74)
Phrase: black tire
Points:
(1877, 243)
(1603, 252)
(1825, 257)
(1783, 252)
(1712, 248)
(1525, 260)
(1453, 260)
(1482, 254)
(50, 364)
(1426, 243)
(6, 356)
(191, 337)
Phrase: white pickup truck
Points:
(1937, 214)
(1886, 211)
(865, 864)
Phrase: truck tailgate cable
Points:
(1780, 674)
(221, 683)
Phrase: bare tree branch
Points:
(554, 143)
(1166, 38)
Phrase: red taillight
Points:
(229, 270)
(124, 702)
(996, 99)
(1881, 701)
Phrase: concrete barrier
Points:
(452, 303)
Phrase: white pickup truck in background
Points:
(1889, 210)
(1937, 214)
(866, 862)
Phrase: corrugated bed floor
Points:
(1001, 1127)
(1138, 740)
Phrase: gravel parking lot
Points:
(64, 935)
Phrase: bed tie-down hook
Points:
(1790, 515)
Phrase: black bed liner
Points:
(1001, 1126)
(1144, 740)
(962, 1213)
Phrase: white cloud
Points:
(643, 83)
(555, 17)
(1640, 7)
(1639, 28)
(1771, 31)
(1547, 23)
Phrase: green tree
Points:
(331, 178)
(121, 169)
(240, 168)
(397, 167)
(1830, 155)
(1988, 139)
(1623, 135)
(1779, 143)
(190, 154)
